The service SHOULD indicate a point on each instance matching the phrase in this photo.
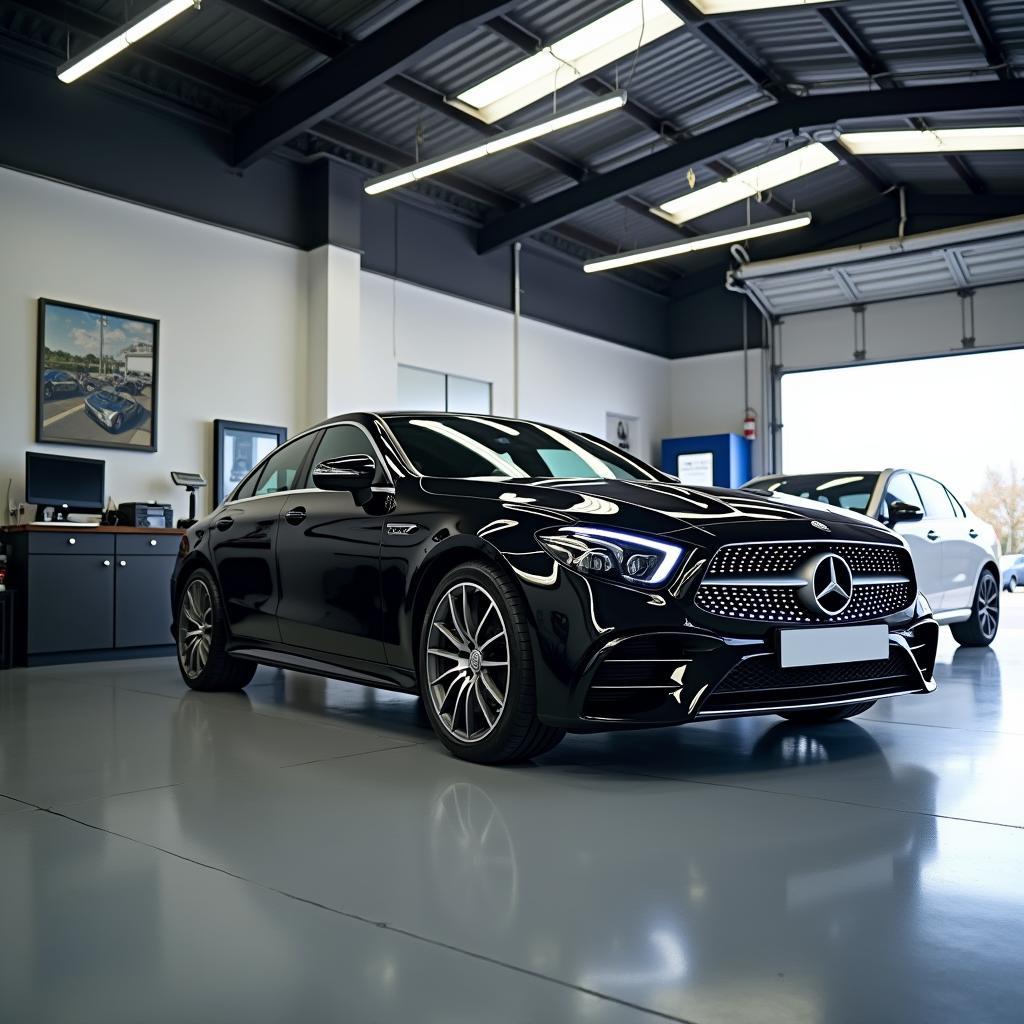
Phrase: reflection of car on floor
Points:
(528, 580)
(1013, 572)
(58, 384)
(955, 553)
(111, 410)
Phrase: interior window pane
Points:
(420, 390)
(468, 395)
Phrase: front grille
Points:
(756, 582)
(763, 674)
(759, 685)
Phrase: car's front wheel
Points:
(476, 669)
(1011, 586)
(202, 636)
(822, 716)
(981, 628)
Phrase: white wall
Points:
(232, 313)
(566, 378)
(252, 330)
(707, 391)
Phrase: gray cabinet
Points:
(91, 593)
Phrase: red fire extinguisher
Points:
(750, 425)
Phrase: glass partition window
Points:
(430, 391)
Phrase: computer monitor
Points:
(60, 480)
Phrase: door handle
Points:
(295, 515)
(225, 523)
(972, 533)
(932, 535)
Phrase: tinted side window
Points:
(901, 488)
(280, 470)
(247, 486)
(936, 501)
(344, 439)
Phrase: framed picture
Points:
(237, 447)
(96, 377)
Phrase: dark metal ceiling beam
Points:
(364, 66)
(983, 35)
(79, 20)
(788, 115)
(290, 24)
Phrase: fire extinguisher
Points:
(750, 425)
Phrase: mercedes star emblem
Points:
(829, 585)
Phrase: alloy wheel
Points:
(195, 628)
(468, 662)
(988, 606)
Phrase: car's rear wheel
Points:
(822, 716)
(476, 669)
(202, 636)
(47, 392)
(981, 628)
(1012, 585)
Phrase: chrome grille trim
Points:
(757, 582)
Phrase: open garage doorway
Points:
(956, 417)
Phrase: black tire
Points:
(47, 392)
(981, 628)
(822, 716)
(218, 671)
(1012, 585)
(517, 734)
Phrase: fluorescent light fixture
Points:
(496, 144)
(735, 6)
(131, 32)
(660, 252)
(582, 52)
(746, 184)
(934, 140)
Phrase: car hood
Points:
(662, 508)
(109, 400)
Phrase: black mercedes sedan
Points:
(527, 581)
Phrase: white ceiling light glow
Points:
(735, 6)
(582, 52)
(747, 184)
(131, 32)
(505, 140)
(934, 140)
(719, 238)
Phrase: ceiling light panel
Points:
(937, 140)
(747, 184)
(736, 6)
(688, 245)
(496, 144)
(582, 52)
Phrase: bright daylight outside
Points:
(956, 418)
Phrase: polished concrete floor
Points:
(307, 852)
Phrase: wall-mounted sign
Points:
(696, 468)
(622, 431)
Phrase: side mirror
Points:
(351, 473)
(904, 512)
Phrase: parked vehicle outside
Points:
(1013, 572)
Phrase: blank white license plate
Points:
(832, 645)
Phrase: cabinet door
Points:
(142, 616)
(70, 603)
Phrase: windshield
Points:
(845, 490)
(469, 446)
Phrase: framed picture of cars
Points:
(237, 448)
(97, 377)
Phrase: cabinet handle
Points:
(122, 563)
(152, 542)
(71, 540)
(106, 562)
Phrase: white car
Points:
(956, 555)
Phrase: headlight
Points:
(612, 555)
